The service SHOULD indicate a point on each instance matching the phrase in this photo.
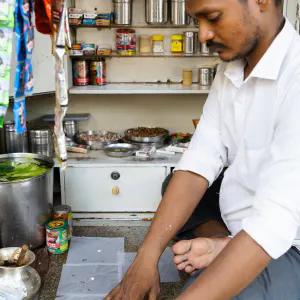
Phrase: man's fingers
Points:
(178, 259)
(111, 295)
(182, 247)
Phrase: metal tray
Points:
(94, 145)
(157, 145)
(154, 139)
(120, 150)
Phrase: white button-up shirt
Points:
(254, 126)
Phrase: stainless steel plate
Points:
(120, 150)
(95, 145)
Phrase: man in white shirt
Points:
(251, 121)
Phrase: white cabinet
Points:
(138, 189)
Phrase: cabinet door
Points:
(43, 65)
(138, 189)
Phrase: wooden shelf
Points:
(160, 55)
(166, 26)
(139, 88)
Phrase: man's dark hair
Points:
(277, 2)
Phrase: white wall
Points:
(119, 112)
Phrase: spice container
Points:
(15, 143)
(57, 236)
(205, 49)
(76, 49)
(158, 44)
(88, 49)
(98, 72)
(206, 76)
(156, 12)
(122, 12)
(179, 15)
(64, 212)
(145, 44)
(177, 45)
(70, 128)
(41, 141)
(187, 76)
(126, 41)
(188, 42)
(80, 72)
(196, 42)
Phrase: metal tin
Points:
(70, 128)
(205, 49)
(196, 42)
(156, 11)
(15, 143)
(57, 236)
(179, 15)
(188, 42)
(98, 72)
(64, 212)
(41, 141)
(81, 72)
(122, 12)
(206, 76)
(126, 41)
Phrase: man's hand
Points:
(198, 253)
(141, 279)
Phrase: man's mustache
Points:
(212, 44)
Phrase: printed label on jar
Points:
(80, 72)
(57, 237)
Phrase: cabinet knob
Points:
(115, 175)
(115, 190)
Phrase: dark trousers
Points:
(208, 208)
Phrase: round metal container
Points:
(15, 143)
(24, 275)
(120, 150)
(154, 139)
(81, 72)
(122, 12)
(41, 141)
(70, 128)
(2, 141)
(205, 49)
(156, 11)
(206, 76)
(196, 42)
(26, 206)
(188, 42)
(179, 15)
(64, 212)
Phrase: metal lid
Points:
(189, 33)
(62, 209)
(57, 225)
(40, 132)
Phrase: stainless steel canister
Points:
(196, 42)
(122, 12)
(41, 141)
(2, 141)
(70, 128)
(26, 206)
(205, 49)
(156, 11)
(188, 42)
(206, 76)
(179, 15)
(15, 143)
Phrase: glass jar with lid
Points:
(145, 44)
(177, 43)
(158, 44)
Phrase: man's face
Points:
(229, 27)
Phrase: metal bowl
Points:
(94, 145)
(157, 145)
(6, 253)
(154, 139)
(120, 150)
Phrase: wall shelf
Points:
(139, 88)
(141, 55)
(166, 26)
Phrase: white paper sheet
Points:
(94, 250)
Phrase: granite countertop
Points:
(133, 238)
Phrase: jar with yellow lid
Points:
(158, 44)
(177, 43)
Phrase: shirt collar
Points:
(269, 65)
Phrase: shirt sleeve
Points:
(276, 209)
(206, 154)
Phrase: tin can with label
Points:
(81, 72)
(98, 72)
(57, 236)
(64, 212)
(126, 42)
